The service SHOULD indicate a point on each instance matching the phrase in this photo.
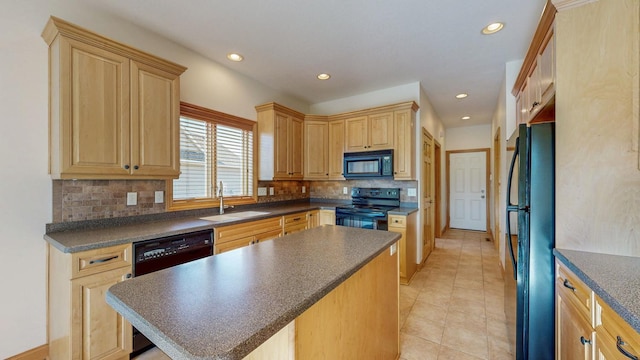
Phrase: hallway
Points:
(453, 308)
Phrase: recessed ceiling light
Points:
(466, 117)
(234, 57)
(461, 96)
(492, 28)
(323, 76)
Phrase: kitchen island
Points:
(329, 292)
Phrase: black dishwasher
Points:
(157, 254)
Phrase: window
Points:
(214, 148)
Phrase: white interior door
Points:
(468, 195)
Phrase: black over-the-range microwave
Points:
(368, 164)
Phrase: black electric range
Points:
(369, 207)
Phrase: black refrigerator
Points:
(530, 303)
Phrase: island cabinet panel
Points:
(113, 110)
(359, 319)
(81, 324)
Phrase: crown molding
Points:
(568, 4)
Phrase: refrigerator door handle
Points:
(512, 208)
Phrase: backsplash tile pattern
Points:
(76, 200)
(334, 189)
(284, 190)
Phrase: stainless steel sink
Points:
(234, 216)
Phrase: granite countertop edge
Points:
(595, 279)
(408, 210)
(73, 241)
(245, 346)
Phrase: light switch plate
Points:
(304, 189)
(262, 191)
(271, 192)
(411, 192)
(159, 197)
(132, 198)
(393, 248)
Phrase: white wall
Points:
(469, 137)
(392, 95)
(25, 185)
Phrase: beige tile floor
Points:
(453, 308)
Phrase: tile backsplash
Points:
(78, 200)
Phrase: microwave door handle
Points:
(512, 208)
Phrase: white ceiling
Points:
(365, 45)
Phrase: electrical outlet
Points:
(271, 192)
(159, 197)
(411, 192)
(132, 198)
(393, 249)
(262, 191)
(304, 189)
(345, 190)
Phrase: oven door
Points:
(361, 221)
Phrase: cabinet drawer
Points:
(397, 221)
(295, 218)
(232, 244)
(292, 228)
(574, 290)
(268, 235)
(610, 326)
(224, 234)
(94, 261)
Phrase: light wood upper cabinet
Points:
(316, 150)
(405, 145)
(370, 132)
(323, 148)
(280, 138)
(534, 87)
(336, 149)
(114, 110)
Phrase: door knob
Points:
(482, 197)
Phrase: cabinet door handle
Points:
(584, 341)
(136, 167)
(568, 285)
(296, 219)
(128, 276)
(126, 166)
(620, 344)
(103, 260)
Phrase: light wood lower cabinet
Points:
(313, 219)
(235, 236)
(81, 324)
(327, 217)
(406, 226)
(295, 222)
(615, 339)
(586, 327)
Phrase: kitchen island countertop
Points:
(613, 278)
(226, 305)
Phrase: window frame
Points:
(216, 117)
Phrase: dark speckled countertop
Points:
(122, 233)
(615, 279)
(226, 305)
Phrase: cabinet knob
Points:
(136, 167)
(584, 341)
(126, 167)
